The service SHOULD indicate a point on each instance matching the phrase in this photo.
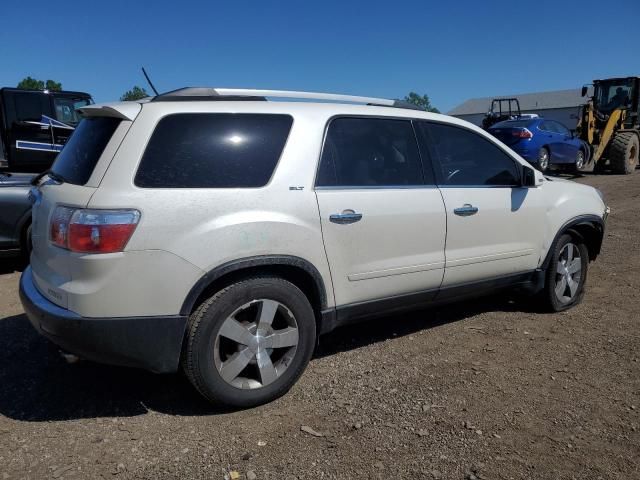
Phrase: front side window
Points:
(213, 150)
(561, 128)
(468, 159)
(370, 152)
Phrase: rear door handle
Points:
(466, 210)
(346, 217)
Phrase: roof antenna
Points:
(149, 81)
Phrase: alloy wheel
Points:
(543, 160)
(568, 273)
(256, 344)
(580, 160)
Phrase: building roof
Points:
(528, 102)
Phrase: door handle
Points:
(346, 217)
(466, 210)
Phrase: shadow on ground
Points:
(38, 384)
(12, 264)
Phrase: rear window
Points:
(221, 150)
(78, 158)
(513, 124)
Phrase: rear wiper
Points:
(53, 175)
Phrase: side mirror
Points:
(585, 89)
(531, 177)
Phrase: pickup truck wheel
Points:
(566, 274)
(250, 342)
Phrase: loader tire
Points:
(623, 153)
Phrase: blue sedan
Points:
(543, 143)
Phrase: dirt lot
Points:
(487, 389)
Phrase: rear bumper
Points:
(152, 343)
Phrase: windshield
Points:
(78, 158)
(613, 94)
(66, 108)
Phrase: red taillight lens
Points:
(522, 133)
(93, 231)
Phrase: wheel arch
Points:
(298, 271)
(589, 228)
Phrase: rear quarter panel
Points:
(210, 227)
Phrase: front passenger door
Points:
(494, 225)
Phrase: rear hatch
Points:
(511, 132)
(73, 179)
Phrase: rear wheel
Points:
(566, 274)
(543, 159)
(250, 342)
(623, 153)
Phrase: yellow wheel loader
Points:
(610, 124)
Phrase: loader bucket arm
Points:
(607, 134)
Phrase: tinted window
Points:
(549, 127)
(221, 150)
(29, 106)
(78, 158)
(467, 158)
(362, 152)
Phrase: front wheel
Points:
(566, 274)
(250, 342)
(579, 165)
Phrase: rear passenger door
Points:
(494, 225)
(383, 219)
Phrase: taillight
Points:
(522, 133)
(92, 231)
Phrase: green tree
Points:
(136, 93)
(34, 84)
(421, 101)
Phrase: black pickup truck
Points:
(35, 125)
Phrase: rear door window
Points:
(370, 152)
(78, 158)
(213, 150)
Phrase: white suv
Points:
(224, 232)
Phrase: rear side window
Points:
(78, 158)
(221, 150)
(468, 159)
(366, 152)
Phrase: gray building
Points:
(560, 105)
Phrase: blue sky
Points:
(451, 50)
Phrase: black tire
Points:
(543, 160)
(553, 278)
(623, 153)
(203, 343)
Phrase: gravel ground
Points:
(486, 389)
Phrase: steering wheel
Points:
(452, 174)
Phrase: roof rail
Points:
(201, 93)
